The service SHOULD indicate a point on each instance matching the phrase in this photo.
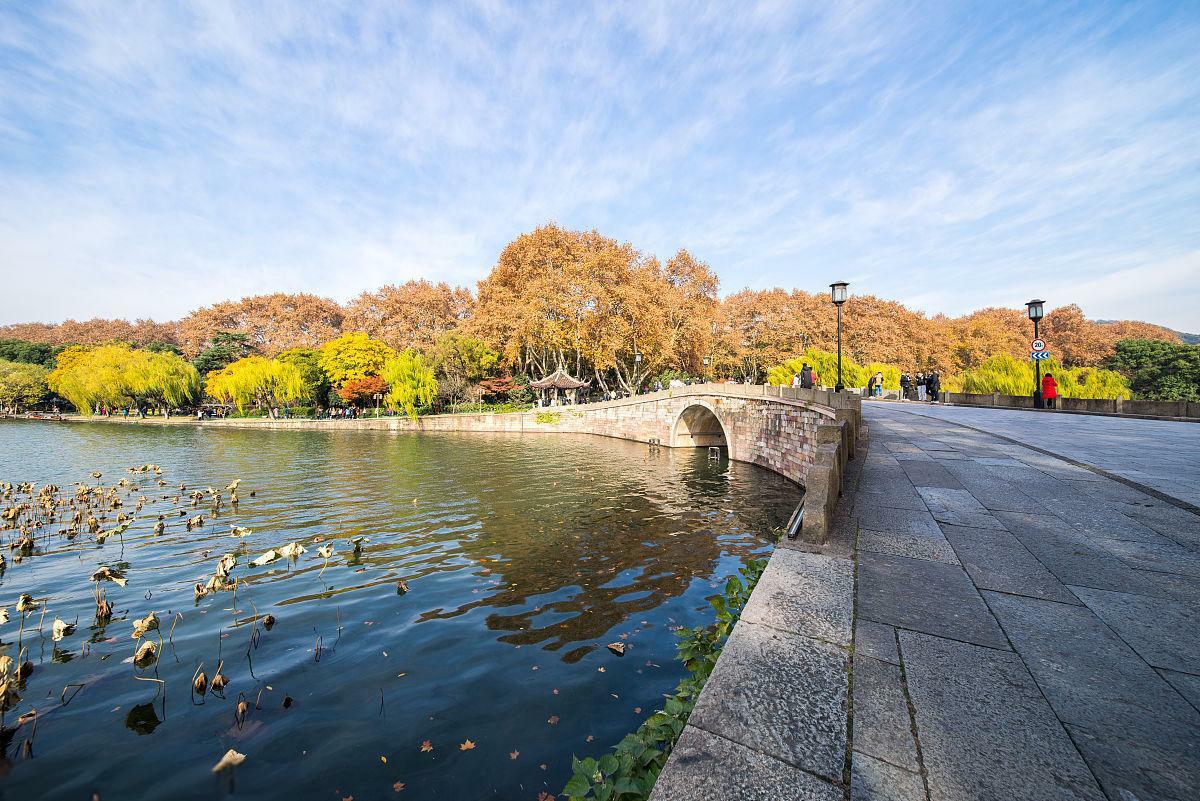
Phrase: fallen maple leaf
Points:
(553, 720)
(398, 786)
(590, 738)
(466, 746)
(513, 754)
(426, 747)
(637, 710)
(601, 669)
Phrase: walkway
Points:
(1161, 454)
(1026, 628)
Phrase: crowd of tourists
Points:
(924, 387)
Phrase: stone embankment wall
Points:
(1133, 408)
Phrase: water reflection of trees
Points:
(654, 522)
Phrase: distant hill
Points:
(1188, 339)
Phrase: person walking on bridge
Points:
(1049, 391)
(806, 377)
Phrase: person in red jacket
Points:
(1049, 390)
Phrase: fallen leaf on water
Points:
(617, 648)
(553, 720)
(637, 710)
(513, 754)
(555, 691)
(231, 759)
(601, 669)
(27, 717)
(544, 796)
(398, 786)
(590, 738)
(426, 747)
(466, 746)
(543, 767)
(383, 759)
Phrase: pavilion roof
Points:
(558, 380)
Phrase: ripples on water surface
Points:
(524, 557)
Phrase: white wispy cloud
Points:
(156, 157)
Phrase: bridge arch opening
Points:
(699, 427)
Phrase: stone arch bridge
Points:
(805, 435)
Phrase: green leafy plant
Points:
(629, 770)
(548, 418)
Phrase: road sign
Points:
(1040, 355)
(1038, 345)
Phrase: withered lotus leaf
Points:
(145, 653)
(146, 624)
(267, 558)
(61, 629)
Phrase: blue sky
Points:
(155, 157)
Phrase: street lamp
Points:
(707, 362)
(838, 292)
(1034, 307)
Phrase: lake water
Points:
(524, 557)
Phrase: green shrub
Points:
(824, 367)
(1008, 376)
(629, 771)
(548, 418)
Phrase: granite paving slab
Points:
(900, 521)
(929, 474)
(925, 545)
(1164, 632)
(996, 560)
(875, 780)
(875, 640)
(1136, 731)
(925, 596)
(1160, 557)
(882, 727)
(780, 694)
(986, 732)
(1187, 684)
(957, 507)
(704, 767)
(805, 593)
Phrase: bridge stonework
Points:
(805, 435)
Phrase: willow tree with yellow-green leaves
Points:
(1008, 376)
(825, 372)
(119, 375)
(22, 385)
(259, 381)
(411, 383)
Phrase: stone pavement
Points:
(1161, 454)
(1025, 628)
(988, 622)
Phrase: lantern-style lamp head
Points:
(1035, 309)
(637, 357)
(707, 361)
(838, 291)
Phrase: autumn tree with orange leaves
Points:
(273, 323)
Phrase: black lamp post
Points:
(838, 291)
(1035, 313)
